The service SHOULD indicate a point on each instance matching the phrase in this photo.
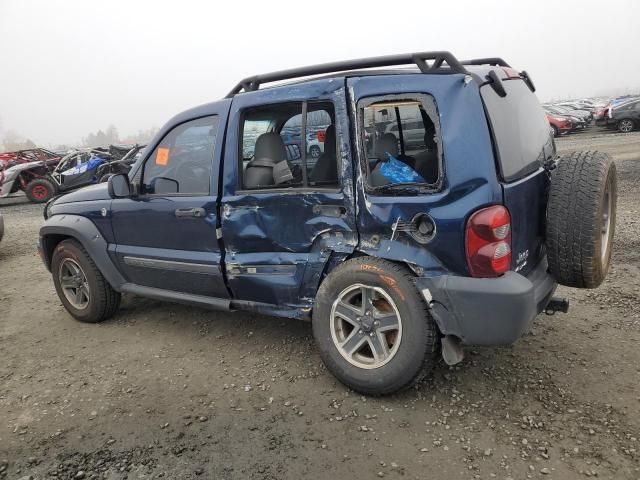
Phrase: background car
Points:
(625, 116)
(559, 125)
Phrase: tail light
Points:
(488, 242)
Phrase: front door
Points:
(283, 217)
(166, 237)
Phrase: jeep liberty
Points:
(437, 215)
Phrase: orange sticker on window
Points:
(162, 157)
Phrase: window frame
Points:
(304, 188)
(155, 147)
(430, 107)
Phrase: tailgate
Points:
(526, 200)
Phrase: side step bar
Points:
(178, 297)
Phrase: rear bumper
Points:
(488, 311)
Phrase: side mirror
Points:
(119, 186)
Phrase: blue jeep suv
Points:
(396, 249)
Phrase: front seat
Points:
(326, 167)
(268, 151)
(387, 143)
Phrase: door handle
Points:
(330, 210)
(190, 212)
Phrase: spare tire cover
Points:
(581, 214)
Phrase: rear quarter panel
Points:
(469, 175)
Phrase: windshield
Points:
(520, 129)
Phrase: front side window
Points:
(289, 145)
(401, 141)
(182, 162)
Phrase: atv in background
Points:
(27, 171)
(80, 168)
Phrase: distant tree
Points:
(14, 141)
(112, 134)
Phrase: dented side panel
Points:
(277, 243)
(468, 182)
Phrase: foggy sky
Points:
(70, 67)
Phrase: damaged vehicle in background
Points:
(26, 171)
(80, 168)
(395, 251)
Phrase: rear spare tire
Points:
(581, 215)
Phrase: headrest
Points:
(429, 139)
(330, 140)
(269, 146)
(387, 143)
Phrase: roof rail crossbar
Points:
(420, 59)
(492, 61)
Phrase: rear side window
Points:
(520, 129)
(400, 140)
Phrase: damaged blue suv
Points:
(436, 215)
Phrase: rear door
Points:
(166, 237)
(523, 144)
(279, 237)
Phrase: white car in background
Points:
(315, 142)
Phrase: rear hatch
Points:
(523, 143)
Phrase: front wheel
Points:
(83, 290)
(40, 190)
(372, 327)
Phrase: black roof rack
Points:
(492, 61)
(420, 59)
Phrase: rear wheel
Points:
(625, 125)
(556, 132)
(83, 290)
(372, 327)
(581, 215)
(40, 190)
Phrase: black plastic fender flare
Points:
(84, 231)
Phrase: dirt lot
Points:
(169, 391)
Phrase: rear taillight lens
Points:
(488, 242)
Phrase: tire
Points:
(581, 215)
(412, 347)
(102, 301)
(315, 151)
(40, 190)
(625, 125)
(555, 130)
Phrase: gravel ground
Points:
(167, 391)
